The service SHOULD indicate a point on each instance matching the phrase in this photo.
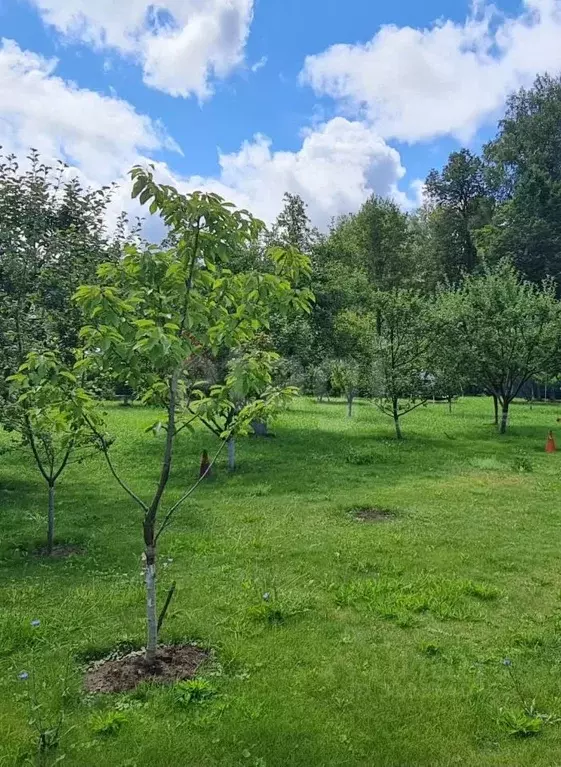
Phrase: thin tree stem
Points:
(171, 512)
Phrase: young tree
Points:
(51, 414)
(248, 382)
(353, 346)
(156, 311)
(448, 370)
(345, 378)
(401, 352)
(319, 379)
(505, 330)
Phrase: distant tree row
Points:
(468, 277)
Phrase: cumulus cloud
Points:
(339, 164)
(182, 45)
(99, 134)
(448, 79)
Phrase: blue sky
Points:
(333, 99)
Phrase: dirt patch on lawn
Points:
(372, 515)
(174, 663)
(60, 551)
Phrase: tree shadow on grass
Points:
(299, 460)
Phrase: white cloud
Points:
(99, 134)
(259, 64)
(417, 84)
(182, 45)
(339, 164)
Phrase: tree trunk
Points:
(260, 429)
(504, 418)
(231, 454)
(449, 404)
(149, 527)
(350, 398)
(151, 615)
(496, 406)
(545, 391)
(395, 406)
(51, 521)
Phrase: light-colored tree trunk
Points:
(51, 521)
(231, 454)
(350, 398)
(151, 615)
(504, 418)
(395, 407)
(259, 429)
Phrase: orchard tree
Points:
(449, 373)
(51, 413)
(401, 380)
(319, 379)
(248, 382)
(345, 379)
(353, 346)
(155, 312)
(506, 331)
(52, 239)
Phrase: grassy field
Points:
(380, 644)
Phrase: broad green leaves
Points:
(161, 310)
(51, 411)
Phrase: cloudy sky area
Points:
(330, 99)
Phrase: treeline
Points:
(467, 284)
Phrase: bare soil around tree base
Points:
(60, 551)
(173, 663)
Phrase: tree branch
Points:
(64, 461)
(34, 450)
(105, 451)
(167, 518)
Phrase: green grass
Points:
(380, 644)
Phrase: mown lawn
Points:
(380, 644)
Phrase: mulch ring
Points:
(60, 551)
(174, 663)
(372, 515)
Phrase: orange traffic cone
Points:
(550, 444)
(205, 465)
